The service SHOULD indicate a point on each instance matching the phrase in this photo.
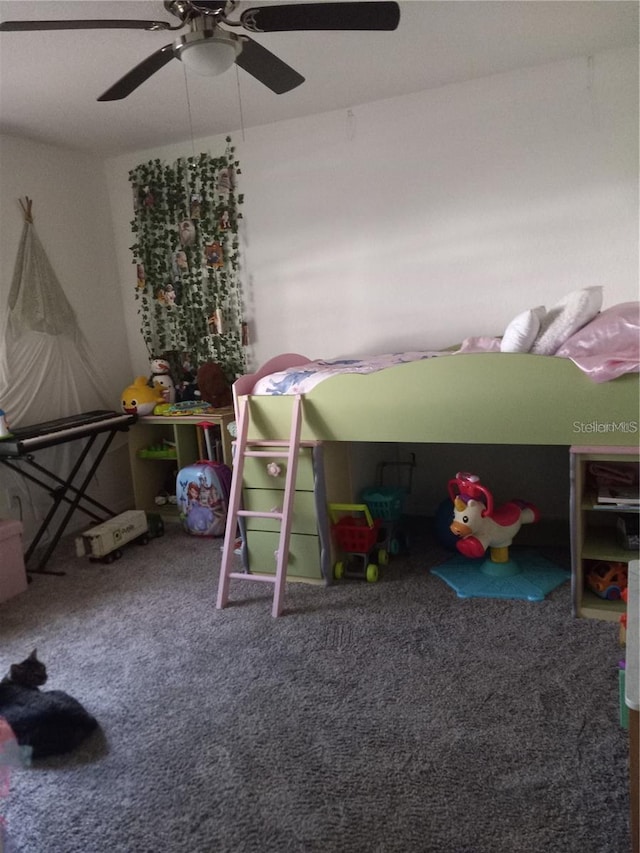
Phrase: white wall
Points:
(420, 220)
(72, 219)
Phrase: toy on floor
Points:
(386, 502)
(480, 525)
(361, 539)
(104, 542)
(139, 399)
(607, 579)
(203, 492)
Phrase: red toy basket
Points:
(355, 534)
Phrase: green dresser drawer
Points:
(265, 500)
(256, 475)
(304, 555)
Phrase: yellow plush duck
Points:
(139, 398)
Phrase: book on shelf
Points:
(619, 495)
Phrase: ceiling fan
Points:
(209, 48)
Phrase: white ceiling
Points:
(49, 81)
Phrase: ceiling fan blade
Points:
(267, 68)
(139, 74)
(25, 26)
(322, 16)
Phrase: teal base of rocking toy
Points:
(529, 577)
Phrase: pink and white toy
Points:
(479, 524)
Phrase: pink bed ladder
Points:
(288, 451)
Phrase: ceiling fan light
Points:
(208, 55)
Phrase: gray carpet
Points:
(382, 718)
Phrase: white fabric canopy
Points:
(47, 370)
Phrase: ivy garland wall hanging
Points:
(187, 259)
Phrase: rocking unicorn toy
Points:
(479, 524)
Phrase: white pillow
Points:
(570, 314)
(522, 330)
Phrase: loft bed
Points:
(564, 376)
(471, 398)
(473, 394)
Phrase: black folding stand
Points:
(17, 451)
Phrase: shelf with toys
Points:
(170, 435)
(154, 471)
(604, 528)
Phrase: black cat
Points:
(50, 722)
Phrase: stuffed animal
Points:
(186, 388)
(139, 398)
(161, 375)
(214, 386)
(479, 525)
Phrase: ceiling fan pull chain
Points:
(240, 103)
(186, 86)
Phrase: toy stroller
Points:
(387, 502)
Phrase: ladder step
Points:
(276, 442)
(250, 576)
(266, 454)
(254, 513)
(261, 442)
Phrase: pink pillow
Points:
(609, 345)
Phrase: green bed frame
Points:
(479, 398)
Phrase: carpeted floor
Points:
(371, 718)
